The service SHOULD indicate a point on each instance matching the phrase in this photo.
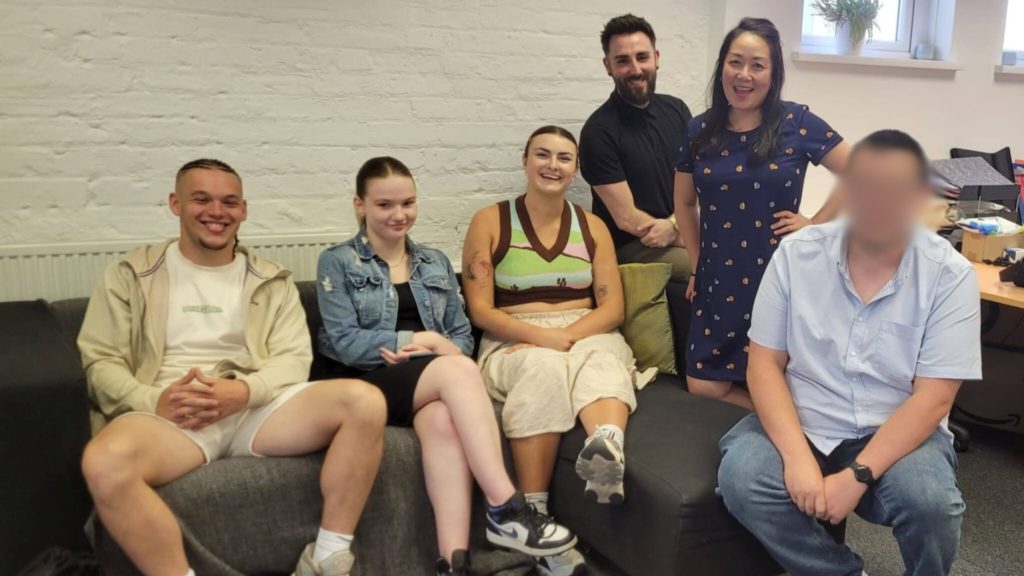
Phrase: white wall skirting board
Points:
(58, 271)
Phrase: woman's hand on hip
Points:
(788, 222)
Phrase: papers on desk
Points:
(951, 175)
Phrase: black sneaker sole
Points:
(517, 546)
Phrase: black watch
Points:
(863, 474)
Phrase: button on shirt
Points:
(623, 143)
(851, 364)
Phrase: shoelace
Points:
(539, 522)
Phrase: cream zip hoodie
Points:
(122, 337)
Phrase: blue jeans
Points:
(917, 497)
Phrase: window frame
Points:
(1006, 36)
(904, 31)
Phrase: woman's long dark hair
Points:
(711, 137)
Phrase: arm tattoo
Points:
(478, 268)
(601, 292)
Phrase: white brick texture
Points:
(102, 100)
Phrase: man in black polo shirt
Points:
(628, 149)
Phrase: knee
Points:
(364, 404)
(716, 390)
(749, 473)
(735, 478)
(939, 508)
(462, 372)
(109, 466)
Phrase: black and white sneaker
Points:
(459, 566)
(568, 563)
(519, 526)
(602, 464)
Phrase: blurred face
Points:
(632, 62)
(389, 207)
(885, 195)
(747, 72)
(550, 164)
(210, 206)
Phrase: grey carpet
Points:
(992, 480)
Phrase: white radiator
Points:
(58, 271)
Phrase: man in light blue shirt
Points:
(861, 334)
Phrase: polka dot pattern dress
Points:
(737, 201)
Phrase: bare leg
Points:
(456, 381)
(604, 411)
(721, 390)
(347, 416)
(534, 457)
(448, 478)
(123, 462)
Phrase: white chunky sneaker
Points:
(568, 563)
(337, 564)
(603, 465)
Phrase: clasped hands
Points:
(831, 498)
(658, 233)
(554, 338)
(422, 343)
(196, 400)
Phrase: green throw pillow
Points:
(648, 325)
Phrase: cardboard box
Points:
(978, 248)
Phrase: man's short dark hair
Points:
(897, 141)
(207, 164)
(625, 24)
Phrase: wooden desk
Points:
(995, 291)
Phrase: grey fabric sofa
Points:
(252, 516)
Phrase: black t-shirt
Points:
(620, 142)
(408, 312)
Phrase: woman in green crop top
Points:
(541, 280)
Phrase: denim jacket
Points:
(359, 304)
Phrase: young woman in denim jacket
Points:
(393, 316)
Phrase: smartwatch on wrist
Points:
(863, 474)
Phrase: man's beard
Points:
(637, 96)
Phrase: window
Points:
(1013, 40)
(895, 20)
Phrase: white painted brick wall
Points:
(102, 100)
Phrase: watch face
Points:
(863, 474)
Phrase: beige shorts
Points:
(233, 436)
(543, 390)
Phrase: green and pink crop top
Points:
(526, 272)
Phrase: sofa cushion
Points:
(672, 460)
(647, 327)
(254, 515)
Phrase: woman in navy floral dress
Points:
(744, 160)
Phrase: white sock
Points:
(190, 572)
(539, 501)
(328, 543)
(613, 431)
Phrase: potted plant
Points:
(855, 21)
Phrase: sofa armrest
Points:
(45, 410)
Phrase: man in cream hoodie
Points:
(197, 350)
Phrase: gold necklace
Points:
(399, 263)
